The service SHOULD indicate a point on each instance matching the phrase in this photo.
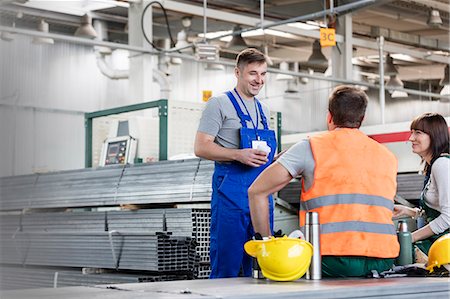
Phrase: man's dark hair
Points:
(434, 125)
(347, 106)
(248, 56)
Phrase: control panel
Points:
(118, 150)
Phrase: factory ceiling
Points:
(411, 26)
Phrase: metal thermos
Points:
(405, 239)
(312, 235)
(257, 273)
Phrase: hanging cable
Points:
(167, 24)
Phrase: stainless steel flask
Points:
(312, 235)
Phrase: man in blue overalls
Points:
(234, 132)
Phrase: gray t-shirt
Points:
(437, 194)
(299, 160)
(220, 119)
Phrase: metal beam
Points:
(239, 19)
(396, 48)
(249, 21)
(431, 3)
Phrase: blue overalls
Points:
(231, 225)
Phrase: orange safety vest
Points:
(353, 190)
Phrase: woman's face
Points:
(421, 143)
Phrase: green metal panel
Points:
(88, 141)
(163, 119)
(163, 129)
(130, 108)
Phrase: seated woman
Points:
(430, 140)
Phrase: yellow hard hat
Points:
(281, 259)
(439, 253)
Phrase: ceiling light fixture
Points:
(237, 43)
(399, 94)
(389, 68)
(445, 91)
(434, 18)
(317, 60)
(395, 82)
(181, 39)
(292, 86)
(445, 82)
(9, 36)
(208, 52)
(85, 29)
(43, 27)
(186, 21)
(210, 66)
(6, 36)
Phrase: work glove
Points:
(257, 236)
(278, 234)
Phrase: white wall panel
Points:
(190, 78)
(60, 81)
(58, 141)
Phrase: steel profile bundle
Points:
(193, 223)
(165, 182)
(113, 250)
(35, 231)
(15, 277)
(187, 222)
(291, 192)
(148, 220)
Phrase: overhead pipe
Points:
(101, 52)
(115, 74)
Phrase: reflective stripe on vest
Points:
(339, 199)
(353, 190)
(357, 226)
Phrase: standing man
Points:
(234, 132)
(349, 180)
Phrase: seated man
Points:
(349, 179)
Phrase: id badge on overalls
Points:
(261, 145)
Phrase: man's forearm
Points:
(259, 212)
(269, 181)
(215, 152)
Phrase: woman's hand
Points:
(403, 211)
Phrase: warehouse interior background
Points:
(51, 78)
(75, 75)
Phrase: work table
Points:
(406, 287)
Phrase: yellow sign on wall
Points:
(327, 37)
(206, 95)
